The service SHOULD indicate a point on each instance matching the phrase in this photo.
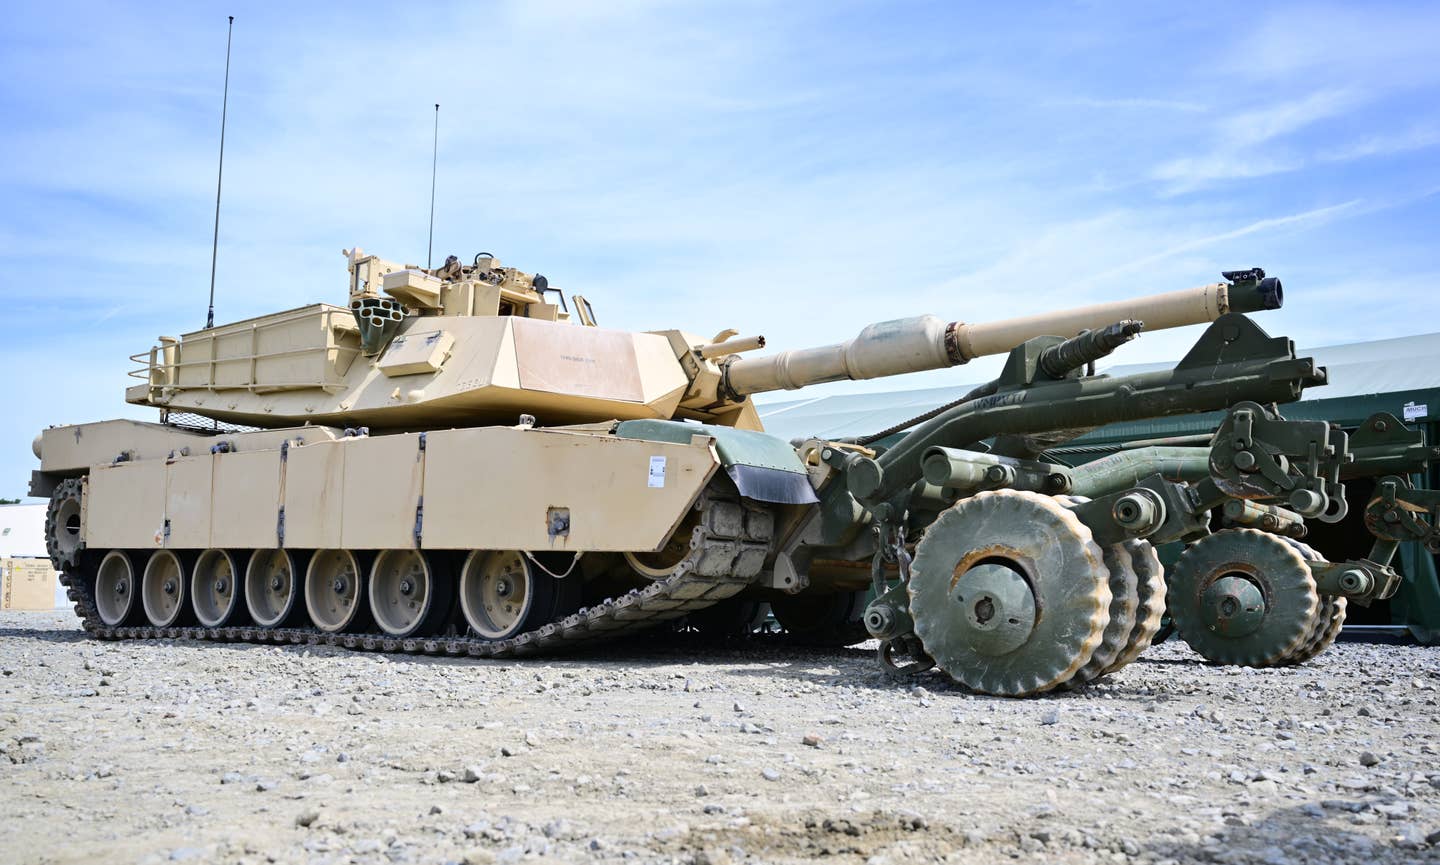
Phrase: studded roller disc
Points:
(1009, 592)
(1319, 620)
(1309, 553)
(1329, 615)
(1242, 596)
(62, 524)
(1331, 620)
(1124, 599)
(1150, 602)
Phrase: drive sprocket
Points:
(1243, 596)
(62, 524)
(1009, 592)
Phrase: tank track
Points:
(727, 552)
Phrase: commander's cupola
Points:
(383, 294)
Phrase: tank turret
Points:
(479, 343)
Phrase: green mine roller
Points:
(461, 461)
(1252, 593)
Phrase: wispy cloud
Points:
(1390, 144)
(1386, 44)
(1243, 143)
(1261, 125)
(1294, 220)
(1136, 104)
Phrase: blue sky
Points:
(793, 169)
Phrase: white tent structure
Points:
(22, 531)
(22, 536)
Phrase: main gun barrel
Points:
(926, 342)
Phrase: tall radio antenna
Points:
(434, 161)
(220, 176)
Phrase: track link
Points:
(728, 547)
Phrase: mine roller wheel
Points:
(828, 620)
(729, 620)
(1329, 615)
(1010, 593)
(165, 590)
(502, 594)
(1150, 602)
(662, 563)
(272, 588)
(408, 595)
(62, 524)
(1331, 620)
(214, 589)
(1124, 600)
(1242, 596)
(335, 592)
(117, 590)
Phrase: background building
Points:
(26, 579)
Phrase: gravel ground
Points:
(157, 752)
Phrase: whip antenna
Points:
(434, 157)
(220, 176)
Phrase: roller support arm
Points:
(1233, 361)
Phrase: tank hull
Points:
(315, 488)
(487, 535)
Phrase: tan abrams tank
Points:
(463, 461)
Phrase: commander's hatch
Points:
(583, 310)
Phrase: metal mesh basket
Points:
(200, 423)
